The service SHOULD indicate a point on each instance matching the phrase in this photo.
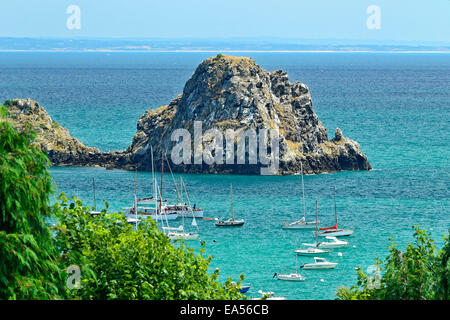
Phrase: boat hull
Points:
(229, 223)
(336, 233)
(298, 227)
(301, 252)
(190, 214)
(184, 236)
(319, 266)
(288, 277)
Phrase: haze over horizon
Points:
(411, 22)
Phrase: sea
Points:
(396, 105)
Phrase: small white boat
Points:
(300, 224)
(178, 233)
(182, 235)
(133, 221)
(310, 251)
(314, 250)
(289, 277)
(231, 222)
(319, 263)
(268, 296)
(335, 243)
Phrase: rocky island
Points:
(224, 92)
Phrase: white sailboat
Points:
(319, 263)
(334, 231)
(302, 223)
(291, 276)
(231, 222)
(94, 212)
(184, 209)
(176, 233)
(313, 250)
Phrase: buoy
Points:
(322, 280)
(340, 254)
(354, 246)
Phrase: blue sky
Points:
(410, 21)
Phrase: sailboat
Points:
(184, 210)
(302, 223)
(314, 250)
(175, 233)
(291, 276)
(334, 231)
(94, 212)
(231, 222)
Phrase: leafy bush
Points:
(28, 269)
(118, 262)
(419, 273)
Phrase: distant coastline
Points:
(214, 46)
(227, 51)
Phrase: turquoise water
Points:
(395, 105)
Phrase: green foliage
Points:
(218, 57)
(9, 103)
(28, 269)
(418, 273)
(119, 262)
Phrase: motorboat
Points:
(319, 263)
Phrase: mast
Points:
(135, 194)
(231, 197)
(161, 190)
(335, 209)
(178, 191)
(317, 231)
(93, 188)
(303, 191)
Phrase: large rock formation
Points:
(61, 147)
(224, 92)
(230, 92)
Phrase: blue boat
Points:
(244, 289)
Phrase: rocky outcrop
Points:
(61, 147)
(224, 92)
(230, 92)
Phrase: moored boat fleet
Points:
(164, 212)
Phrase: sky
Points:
(416, 21)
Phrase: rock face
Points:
(61, 147)
(230, 92)
(224, 92)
